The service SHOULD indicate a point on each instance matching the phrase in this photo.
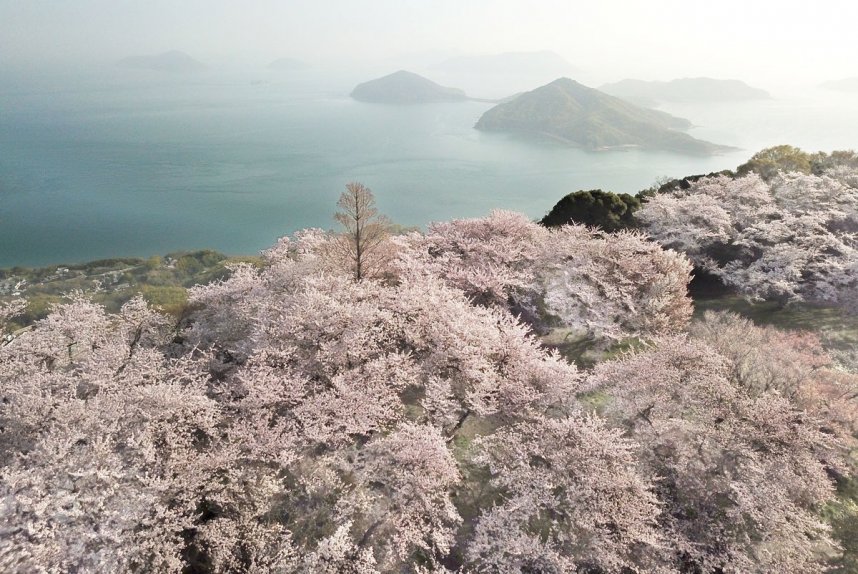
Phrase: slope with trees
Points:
(742, 470)
(302, 417)
(594, 208)
(791, 238)
(570, 112)
(604, 286)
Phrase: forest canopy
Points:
(377, 402)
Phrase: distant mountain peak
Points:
(405, 74)
(566, 82)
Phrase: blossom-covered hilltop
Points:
(368, 402)
(782, 228)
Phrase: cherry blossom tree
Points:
(741, 475)
(89, 403)
(403, 496)
(572, 501)
(606, 285)
(11, 309)
(297, 420)
(615, 285)
(349, 366)
(339, 554)
(790, 238)
(793, 364)
(352, 380)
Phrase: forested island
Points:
(487, 395)
(405, 87)
(567, 111)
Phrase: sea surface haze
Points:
(135, 165)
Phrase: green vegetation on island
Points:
(404, 87)
(570, 112)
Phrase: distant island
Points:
(287, 65)
(706, 90)
(844, 85)
(405, 88)
(172, 61)
(573, 113)
(499, 75)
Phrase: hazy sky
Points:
(755, 40)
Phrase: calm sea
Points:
(140, 166)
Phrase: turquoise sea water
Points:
(135, 167)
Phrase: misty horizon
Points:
(95, 116)
(764, 44)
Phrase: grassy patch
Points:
(585, 351)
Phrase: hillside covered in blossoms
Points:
(368, 402)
